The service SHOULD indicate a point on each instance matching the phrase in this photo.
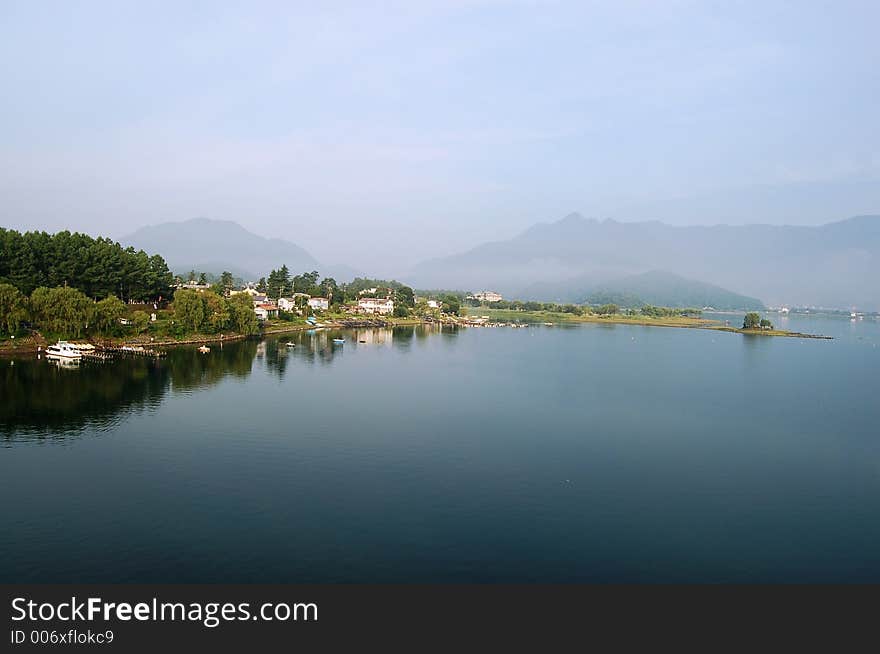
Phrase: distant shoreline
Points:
(681, 322)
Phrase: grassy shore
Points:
(687, 322)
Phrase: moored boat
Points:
(63, 350)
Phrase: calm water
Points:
(590, 453)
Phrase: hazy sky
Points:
(398, 131)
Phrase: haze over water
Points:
(586, 453)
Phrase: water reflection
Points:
(42, 400)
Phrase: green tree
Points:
(107, 313)
(13, 309)
(286, 286)
(450, 304)
(405, 296)
(752, 320)
(140, 320)
(216, 311)
(242, 318)
(330, 290)
(608, 309)
(226, 281)
(189, 309)
(306, 283)
(766, 324)
(62, 310)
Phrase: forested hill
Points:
(216, 245)
(98, 267)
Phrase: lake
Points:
(589, 453)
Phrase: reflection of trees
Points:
(39, 396)
(191, 369)
(43, 399)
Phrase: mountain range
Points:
(578, 259)
(212, 246)
(831, 265)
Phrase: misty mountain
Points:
(830, 265)
(655, 287)
(213, 246)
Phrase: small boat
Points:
(339, 341)
(289, 344)
(204, 349)
(63, 350)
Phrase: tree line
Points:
(207, 312)
(68, 312)
(98, 267)
(64, 311)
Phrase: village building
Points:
(319, 303)
(381, 306)
(193, 286)
(486, 296)
(265, 311)
(433, 304)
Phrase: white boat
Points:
(63, 350)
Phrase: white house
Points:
(433, 304)
(265, 311)
(375, 305)
(319, 303)
(194, 286)
(487, 296)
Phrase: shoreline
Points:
(32, 343)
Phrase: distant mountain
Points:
(655, 287)
(216, 245)
(830, 265)
(667, 290)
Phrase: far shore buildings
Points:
(319, 303)
(193, 286)
(486, 296)
(372, 305)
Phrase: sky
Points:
(381, 134)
